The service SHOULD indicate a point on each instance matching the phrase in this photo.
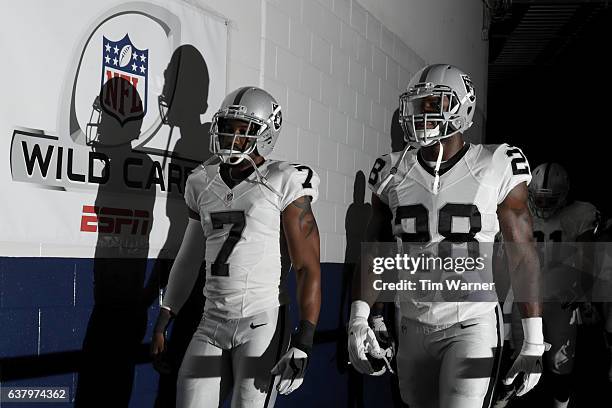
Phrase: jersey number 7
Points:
(236, 218)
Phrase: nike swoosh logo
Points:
(465, 326)
(254, 326)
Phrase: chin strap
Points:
(436, 183)
(392, 171)
(260, 177)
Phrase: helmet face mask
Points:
(234, 138)
(248, 122)
(548, 190)
(92, 129)
(438, 103)
(164, 107)
(545, 203)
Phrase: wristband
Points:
(303, 336)
(532, 329)
(359, 310)
(163, 319)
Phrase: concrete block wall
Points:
(338, 73)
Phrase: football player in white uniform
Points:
(556, 221)
(459, 192)
(236, 210)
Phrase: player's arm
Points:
(302, 236)
(523, 263)
(524, 266)
(183, 276)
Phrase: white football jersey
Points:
(472, 184)
(561, 260)
(242, 229)
(567, 224)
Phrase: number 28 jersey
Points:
(242, 229)
(472, 184)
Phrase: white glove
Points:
(361, 338)
(529, 360)
(291, 368)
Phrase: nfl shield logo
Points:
(122, 59)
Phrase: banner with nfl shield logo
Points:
(106, 111)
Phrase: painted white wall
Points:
(337, 71)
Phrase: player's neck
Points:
(452, 146)
(245, 168)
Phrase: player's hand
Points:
(529, 360)
(529, 363)
(158, 342)
(361, 340)
(158, 352)
(291, 368)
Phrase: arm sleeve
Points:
(186, 267)
(512, 168)
(300, 181)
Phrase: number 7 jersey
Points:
(242, 229)
(472, 184)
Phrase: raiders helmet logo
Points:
(278, 118)
(469, 86)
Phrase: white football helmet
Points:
(256, 108)
(438, 103)
(548, 189)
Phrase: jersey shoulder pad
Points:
(509, 168)
(378, 180)
(196, 183)
(293, 180)
(580, 216)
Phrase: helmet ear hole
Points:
(469, 110)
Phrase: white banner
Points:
(105, 112)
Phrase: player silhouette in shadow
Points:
(355, 224)
(356, 221)
(124, 210)
(184, 98)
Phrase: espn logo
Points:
(110, 220)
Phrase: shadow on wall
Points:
(355, 228)
(184, 98)
(397, 134)
(118, 321)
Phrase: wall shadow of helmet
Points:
(118, 321)
(398, 142)
(184, 98)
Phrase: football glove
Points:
(529, 360)
(291, 368)
(361, 338)
(292, 365)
